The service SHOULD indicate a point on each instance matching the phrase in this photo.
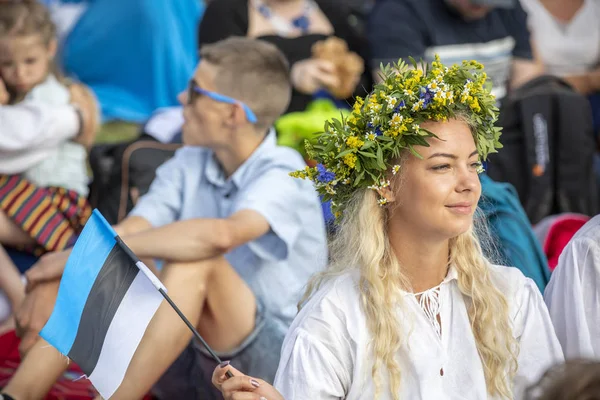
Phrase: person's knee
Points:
(189, 276)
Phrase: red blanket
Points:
(67, 387)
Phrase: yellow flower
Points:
(416, 73)
(370, 136)
(373, 105)
(466, 99)
(440, 98)
(475, 105)
(356, 108)
(350, 160)
(354, 142)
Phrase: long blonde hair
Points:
(362, 240)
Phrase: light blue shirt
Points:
(277, 265)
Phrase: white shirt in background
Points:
(30, 131)
(573, 294)
(325, 354)
(566, 48)
(61, 163)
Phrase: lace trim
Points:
(429, 301)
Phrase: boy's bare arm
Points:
(198, 239)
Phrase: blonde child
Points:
(43, 186)
(27, 49)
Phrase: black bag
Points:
(123, 172)
(548, 149)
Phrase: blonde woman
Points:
(409, 307)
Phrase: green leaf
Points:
(343, 153)
(367, 145)
(337, 124)
(433, 135)
(367, 154)
(380, 162)
(412, 61)
(414, 152)
(419, 141)
(359, 178)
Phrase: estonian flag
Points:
(106, 300)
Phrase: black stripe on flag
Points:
(109, 288)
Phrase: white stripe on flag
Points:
(124, 335)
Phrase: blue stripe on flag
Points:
(86, 260)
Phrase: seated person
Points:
(124, 51)
(240, 237)
(410, 308)
(294, 26)
(43, 186)
(573, 292)
(567, 34)
(493, 32)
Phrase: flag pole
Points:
(163, 291)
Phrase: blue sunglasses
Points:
(194, 91)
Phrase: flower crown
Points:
(356, 152)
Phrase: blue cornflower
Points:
(378, 131)
(427, 96)
(399, 106)
(324, 176)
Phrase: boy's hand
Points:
(3, 93)
(34, 312)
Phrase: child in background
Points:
(27, 49)
(42, 190)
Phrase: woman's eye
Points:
(441, 167)
(31, 60)
(476, 165)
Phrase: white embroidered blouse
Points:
(325, 354)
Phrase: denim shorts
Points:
(189, 377)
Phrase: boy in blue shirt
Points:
(239, 236)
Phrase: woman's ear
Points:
(387, 193)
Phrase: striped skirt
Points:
(52, 216)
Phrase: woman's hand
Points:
(242, 387)
(83, 98)
(3, 93)
(310, 75)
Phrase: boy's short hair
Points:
(252, 71)
(574, 379)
